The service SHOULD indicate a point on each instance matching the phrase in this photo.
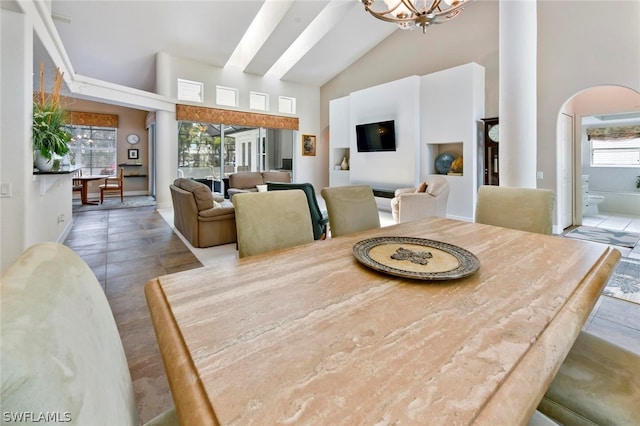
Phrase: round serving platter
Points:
(416, 258)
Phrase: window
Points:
(615, 146)
(226, 96)
(259, 101)
(286, 105)
(94, 147)
(615, 153)
(190, 91)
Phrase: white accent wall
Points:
(435, 113)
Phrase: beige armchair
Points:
(204, 220)
(428, 199)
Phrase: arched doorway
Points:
(608, 106)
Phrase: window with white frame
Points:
(286, 105)
(258, 101)
(190, 91)
(615, 146)
(226, 96)
(94, 147)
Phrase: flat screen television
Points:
(374, 137)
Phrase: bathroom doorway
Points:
(600, 106)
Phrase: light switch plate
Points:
(5, 190)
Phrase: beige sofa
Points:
(201, 219)
(249, 181)
(62, 359)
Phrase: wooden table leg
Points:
(85, 192)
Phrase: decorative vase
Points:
(344, 165)
(41, 162)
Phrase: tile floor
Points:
(616, 222)
(624, 223)
(127, 247)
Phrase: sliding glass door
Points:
(210, 152)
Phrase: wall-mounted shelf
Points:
(142, 173)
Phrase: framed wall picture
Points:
(309, 145)
(132, 154)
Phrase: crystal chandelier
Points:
(410, 13)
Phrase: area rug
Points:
(625, 281)
(114, 203)
(605, 236)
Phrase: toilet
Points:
(590, 206)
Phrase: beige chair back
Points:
(526, 209)
(351, 209)
(61, 350)
(267, 221)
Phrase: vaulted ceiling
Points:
(302, 41)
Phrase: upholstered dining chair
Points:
(319, 218)
(526, 209)
(351, 209)
(597, 384)
(428, 199)
(60, 349)
(114, 184)
(271, 220)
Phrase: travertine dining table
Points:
(309, 335)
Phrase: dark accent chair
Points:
(319, 218)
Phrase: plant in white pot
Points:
(49, 135)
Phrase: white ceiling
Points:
(302, 41)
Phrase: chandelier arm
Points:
(453, 9)
(422, 18)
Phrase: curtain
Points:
(613, 133)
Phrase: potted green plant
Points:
(49, 135)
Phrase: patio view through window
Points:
(94, 147)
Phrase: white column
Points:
(166, 136)
(166, 156)
(517, 103)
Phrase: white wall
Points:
(307, 168)
(452, 106)
(580, 45)
(433, 114)
(15, 135)
(31, 214)
(399, 101)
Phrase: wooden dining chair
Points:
(526, 209)
(351, 209)
(76, 184)
(267, 221)
(113, 183)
